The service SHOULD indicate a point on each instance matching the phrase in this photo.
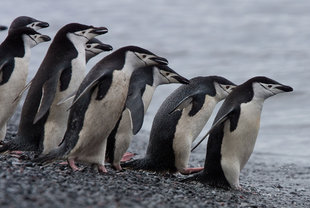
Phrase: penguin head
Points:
(2, 27)
(24, 21)
(138, 57)
(163, 74)
(80, 33)
(30, 37)
(264, 87)
(222, 86)
(94, 47)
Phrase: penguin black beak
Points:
(45, 38)
(181, 79)
(285, 88)
(104, 47)
(2, 27)
(160, 60)
(99, 30)
(43, 24)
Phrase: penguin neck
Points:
(158, 78)
(131, 63)
(78, 43)
(27, 53)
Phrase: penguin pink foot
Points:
(127, 156)
(72, 165)
(102, 169)
(16, 152)
(117, 167)
(188, 171)
(63, 163)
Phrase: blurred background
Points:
(235, 39)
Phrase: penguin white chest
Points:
(147, 96)
(100, 119)
(190, 126)
(17, 79)
(238, 145)
(10, 90)
(56, 123)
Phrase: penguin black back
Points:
(12, 46)
(160, 155)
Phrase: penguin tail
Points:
(11, 145)
(195, 177)
(149, 164)
(205, 178)
(55, 154)
(139, 164)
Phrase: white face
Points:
(34, 25)
(263, 90)
(91, 48)
(33, 40)
(166, 77)
(146, 58)
(86, 34)
(223, 90)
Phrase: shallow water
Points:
(235, 39)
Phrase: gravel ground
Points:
(266, 183)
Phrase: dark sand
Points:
(266, 183)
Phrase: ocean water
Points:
(236, 39)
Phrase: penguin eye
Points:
(144, 56)
(227, 87)
(83, 32)
(270, 86)
(88, 46)
(32, 25)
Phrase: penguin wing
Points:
(6, 68)
(22, 91)
(182, 104)
(221, 117)
(2, 63)
(47, 97)
(88, 83)
(68, 98)
(135, 104)
(195, 98)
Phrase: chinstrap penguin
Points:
(234, 131)
(43, 121)
(25, 21)
(178, 122)
(98, 105)
(15, 52)
(142, 85)
(2, 27)
(95, 47)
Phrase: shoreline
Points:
(266, 183)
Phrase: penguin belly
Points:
(56, 123)
(123, 136)
(237, 146)
(187, 130)
(10, 90)
(147, 96)
(100, 118)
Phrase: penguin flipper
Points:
(182, 104)
(88, 83)
(218, 122)
(47, 97)
(68, 98)
(27, 86)
(2, 63)
(136, 108)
